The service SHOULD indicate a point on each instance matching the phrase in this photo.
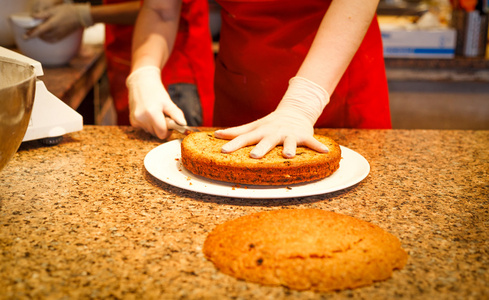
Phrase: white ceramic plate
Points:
(163, 162)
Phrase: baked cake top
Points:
(304, 249)
(206, 147)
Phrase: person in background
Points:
(283, 67)
(188, 74)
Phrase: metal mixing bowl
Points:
(17, 88)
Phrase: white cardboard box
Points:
(419, 43)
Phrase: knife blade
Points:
(183, 129)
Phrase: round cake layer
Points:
(304, 249)
(201, 155)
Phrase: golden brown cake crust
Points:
(304, 249)
(201, 155)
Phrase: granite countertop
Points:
(84, 219)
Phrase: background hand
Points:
(149, 102)
(291, 124)
(60, 21)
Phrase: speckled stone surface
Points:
(84, 219)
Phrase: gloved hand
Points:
(291, 124)
(37, 6)
(60, 21)
(149, 102)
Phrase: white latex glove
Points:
(60, 21)
(291, 124)
(40, 5)
(149, 102)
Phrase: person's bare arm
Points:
(155, 33)
(124, 13)
(340, 34)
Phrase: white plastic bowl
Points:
(48, 54)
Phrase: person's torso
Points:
(262, 45)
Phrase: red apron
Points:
(191, 60)
(263, 44)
